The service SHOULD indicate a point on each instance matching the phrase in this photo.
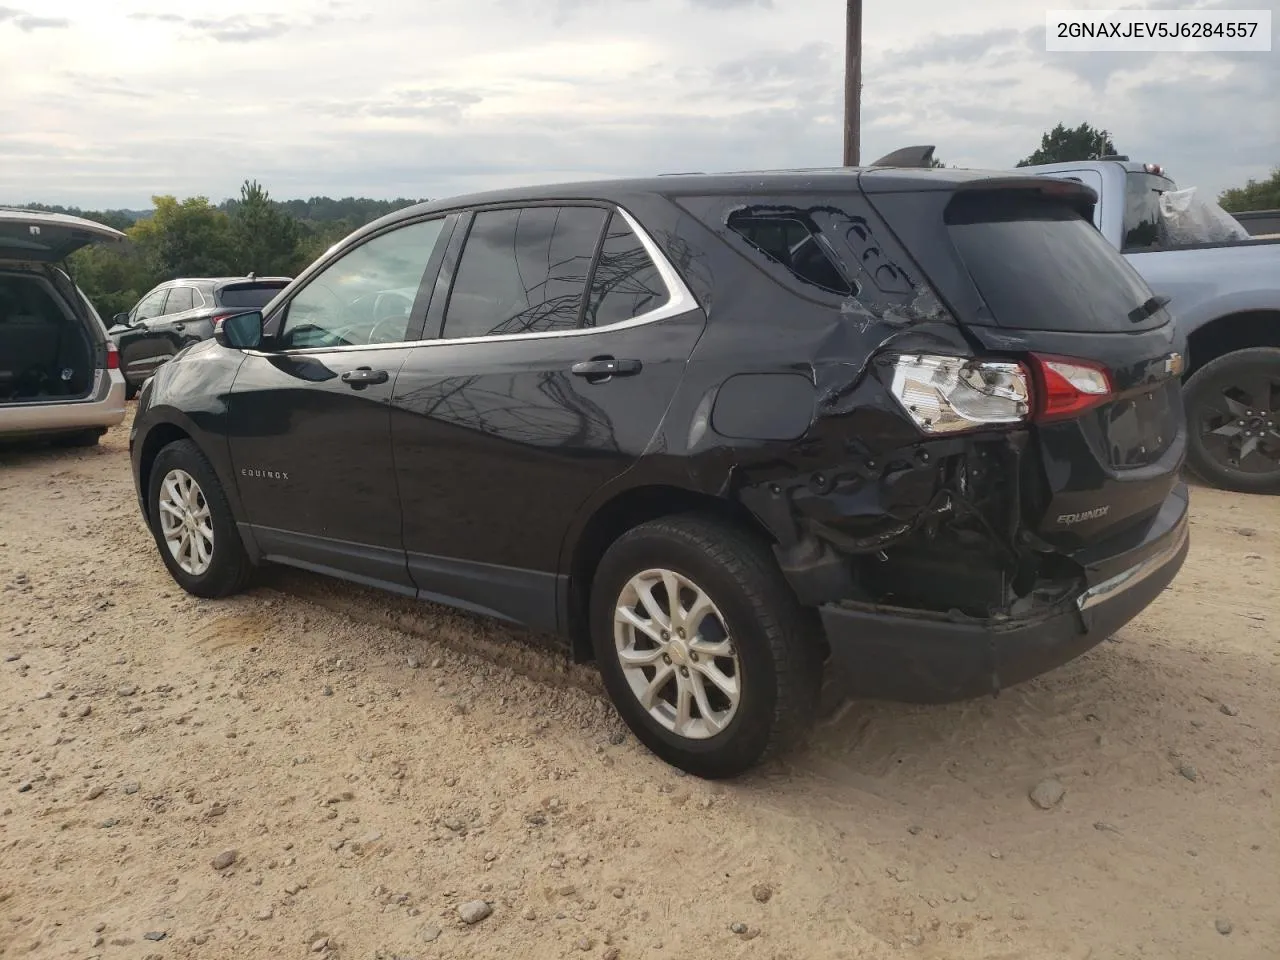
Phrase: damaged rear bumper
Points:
(913, 656)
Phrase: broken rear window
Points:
(793, 243)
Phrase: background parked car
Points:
(58, 367)
(181, 312)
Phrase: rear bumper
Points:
(906, 655)
(104, 408)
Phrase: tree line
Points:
(253, 233)
(196, 238)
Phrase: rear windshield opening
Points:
(249, 295)
(1040, 265)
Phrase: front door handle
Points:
(361, 377)
(602, 368)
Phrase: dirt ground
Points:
(376, 763)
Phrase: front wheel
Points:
(704, 649)
(193, 525)
(1233, 419)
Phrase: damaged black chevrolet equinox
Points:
(718, 432)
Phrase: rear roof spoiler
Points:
(921, 156)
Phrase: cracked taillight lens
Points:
(952, 394)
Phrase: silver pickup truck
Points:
(1226, 297)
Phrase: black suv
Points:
(715, 431)
(181, 312)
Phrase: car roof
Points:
(799, 180)
(221, 281)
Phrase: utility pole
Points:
(853, 84)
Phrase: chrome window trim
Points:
(679, 300)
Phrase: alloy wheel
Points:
(185, 522)
(676, 654)
(1239, 425)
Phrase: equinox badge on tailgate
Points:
(1097, 513)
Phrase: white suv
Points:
(59, 371)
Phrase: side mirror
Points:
(240, 332)
(120, 320)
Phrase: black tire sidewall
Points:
(1211, 378)
(739, 745)
(226, 570)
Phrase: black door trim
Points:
(523, 597)
(382, 567)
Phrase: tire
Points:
(130, 389)
(1234, 392)
(223, 569)
(776, 654)
(81, 438)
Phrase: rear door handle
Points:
(361, 377)
(602, 368)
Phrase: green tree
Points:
(1254, 195)
(187, 239)
(1063, 144)
(264, 239)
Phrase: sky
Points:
(106, 103)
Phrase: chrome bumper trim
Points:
(1134, 575)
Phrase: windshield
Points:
(1040, 265)
(1142, 209)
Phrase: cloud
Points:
(28, 22)
(386, 98)
(438, 104)
(242, 28)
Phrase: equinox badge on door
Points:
(264, 474)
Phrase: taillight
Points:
(113, 356)
(1066, 386)
(951, 394)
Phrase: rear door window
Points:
(625, 283)
(524, 271)
(1040, 265)
(179, 300)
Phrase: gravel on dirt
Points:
(314, 678)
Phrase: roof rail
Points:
(921, 156)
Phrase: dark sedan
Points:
(182, 312)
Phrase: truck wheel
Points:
(1233, 421)
(193, 525)
(704, 649)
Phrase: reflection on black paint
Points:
(540, 410)
(309, 369)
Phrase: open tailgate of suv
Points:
(37, 236)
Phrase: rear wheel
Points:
(1233, 418)
(704, 649)
(193, 524)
